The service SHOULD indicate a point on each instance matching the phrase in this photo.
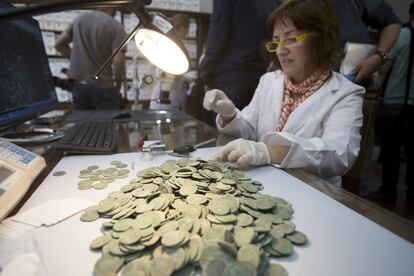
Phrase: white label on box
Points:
(161, 24)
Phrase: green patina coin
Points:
(99, 242)
(59, 173)
(297, 238)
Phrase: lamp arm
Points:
(144, 20)
(120, 47)
(57, 6)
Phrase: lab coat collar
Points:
(333, 83)
(309, 108)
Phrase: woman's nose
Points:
(281, 50)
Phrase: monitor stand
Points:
(32, 136)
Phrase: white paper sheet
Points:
(53, 211)
(48, 213)
(354, 54)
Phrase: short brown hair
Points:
(316, 17)
(180, 20)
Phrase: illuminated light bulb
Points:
(162, 51)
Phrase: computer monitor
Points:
(26, 84)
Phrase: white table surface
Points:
(342, 242)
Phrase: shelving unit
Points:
(54, 23)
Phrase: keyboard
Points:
(89, 137)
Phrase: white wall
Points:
(401, 8)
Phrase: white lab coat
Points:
(323, 132)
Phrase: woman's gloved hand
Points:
(217, 101)
(244, 153)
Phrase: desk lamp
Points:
(155, 37)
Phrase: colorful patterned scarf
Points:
(295, 94)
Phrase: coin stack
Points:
(191, 214)
(93, 177)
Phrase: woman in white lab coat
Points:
(304, 115)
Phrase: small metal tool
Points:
(158, 148)
(187, 148)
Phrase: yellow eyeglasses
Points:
(287, 42)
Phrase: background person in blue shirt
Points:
(396, 117)
(354, 17)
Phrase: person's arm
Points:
(369, 65)
(379, 15)
(388, 37)
(218, 33)
(386, 67)
(119, 68)
(62, 45)
(393, 53)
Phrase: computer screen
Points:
(26, 83)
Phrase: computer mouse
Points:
(123, 115)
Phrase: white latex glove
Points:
(217, 101)
(244, 152)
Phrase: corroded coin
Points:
(297, 238)
(89, 215)
(59, 173)
(244, 220)
(172, 238)
(108, 264)
(219, 207)
(275, 270)
(162, 266)
(99, 186)
(249, 253)
(239, 269)
(85, 184)
(282, 246)
(99, 242)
